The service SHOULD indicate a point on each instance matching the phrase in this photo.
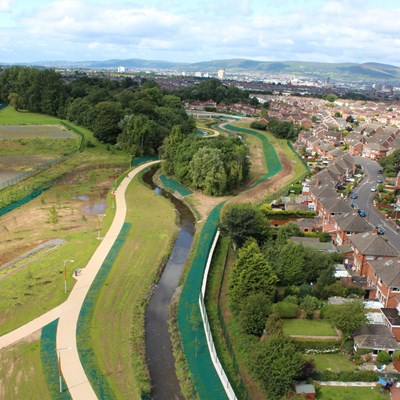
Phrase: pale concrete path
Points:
(68, 312)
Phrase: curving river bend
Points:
(160, 360)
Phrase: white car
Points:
(373, 189)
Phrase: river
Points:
(160, 360)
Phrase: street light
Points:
(98, 225)
(65, 274)
(58, 350)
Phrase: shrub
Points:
(384, 357)
(317, 346)
(348, 376)
(291, 299)
(287, 310)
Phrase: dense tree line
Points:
(138, 118)
(214, 89)
(217, 166)
(391, 163)
(280, 129)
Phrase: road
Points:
(366, 197)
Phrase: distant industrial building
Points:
(221, 74)
(120, 70)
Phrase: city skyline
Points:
(272, 30)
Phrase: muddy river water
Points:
(159, 355)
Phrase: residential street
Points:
(365, 200)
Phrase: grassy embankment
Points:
(242, 343)
(30, 290)
(118, 321)
(21, 373)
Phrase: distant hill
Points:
(366, 72)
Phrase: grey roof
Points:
(374, 337)
(304, 388)
(307, 222)
(371, 244)
(344, 248)
(388, 271)
(323, 191)
(336, 206)
(313, 242)
(352, 222)
(336, 152)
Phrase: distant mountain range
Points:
(366, 72)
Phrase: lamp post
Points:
(65, 274)
(58, 350)
(98, 225)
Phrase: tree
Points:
(274, 325)
(106, 127)
(241, 221)
(207, 171)
(250, 274)
(276, 363)
(350, 317)
(254, 311)
(287, 261)
(53, 216)
(309, 305)
(331, 97)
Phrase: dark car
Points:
(380, 230)
(354, 196)
(362, 213)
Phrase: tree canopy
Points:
(250, 274)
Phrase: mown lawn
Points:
(349, 393)
(21, 372)
(8, 116)
(118, 321)
(332, 362)
(308, 327)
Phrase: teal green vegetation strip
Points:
(19, 203)
(271, 158)
(48, 355)
(208, 384)
(86, 353)
(172, 184)
(141, 160)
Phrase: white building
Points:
(120, 70)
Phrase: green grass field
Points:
(21, 373)
(308, 327)
(38, 287)
(332, 362)
(8, 116)
(118, 321)
(349, 393)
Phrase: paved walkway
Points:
(68, 312)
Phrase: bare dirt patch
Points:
(32, 131)
(256, 194)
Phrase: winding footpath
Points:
(68, 312)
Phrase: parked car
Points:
(362, 213)
(354, 196)
(355, 206)
(373, 189)
(380, 229)
(379, 179)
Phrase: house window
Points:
(369, 257)
(374, 274)
(380, 281)
(379, 258)
(396, 289)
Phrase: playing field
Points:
(33, 131)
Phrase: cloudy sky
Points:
(200, 30)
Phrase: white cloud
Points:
(6, 5)
(340, 30)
